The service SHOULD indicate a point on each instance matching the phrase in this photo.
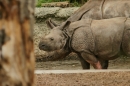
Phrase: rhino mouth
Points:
(45, 47)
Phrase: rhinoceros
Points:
(92, 40)
(96, 9)
(102, 9)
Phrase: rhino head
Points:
(56, 39)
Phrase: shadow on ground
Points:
(120, 63)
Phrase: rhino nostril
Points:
(42, 45)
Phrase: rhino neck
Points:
(69, 31)
(67, 46)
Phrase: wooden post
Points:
(16, 43)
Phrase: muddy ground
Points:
(120, 63)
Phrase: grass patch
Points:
(74, 4)
(48, 1)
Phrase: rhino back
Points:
(102, 9)
(91, 9)
(95, 12)
(108, 36)
(110, 8)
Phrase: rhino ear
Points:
(65, 25)
(54, 23)
(51, 24)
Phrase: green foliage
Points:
(48, 1)
(74, 2)
(38, 4)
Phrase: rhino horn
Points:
(50, 23)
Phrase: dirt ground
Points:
(120, 63)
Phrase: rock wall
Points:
(57, 14)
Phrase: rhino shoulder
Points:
(77, 24)
(82, 39)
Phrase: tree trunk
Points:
(16, 43)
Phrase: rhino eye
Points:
(51, 39)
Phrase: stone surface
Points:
(82, 78)
(45, 12)
(119, 63)
(66, 12)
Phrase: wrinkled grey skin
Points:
(96, 9)
(102, 9)
(92, 40)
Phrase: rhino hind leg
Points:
(86, 65)
(92, 60)
(126, 43)
(104, 63)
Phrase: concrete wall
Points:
(82, 78)
(57, 14)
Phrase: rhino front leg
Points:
(85, 64)
(92, 60)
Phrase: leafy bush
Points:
(73, 2)
(48, 1)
